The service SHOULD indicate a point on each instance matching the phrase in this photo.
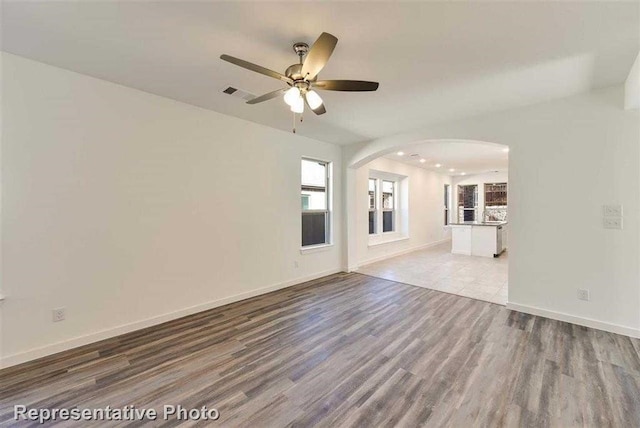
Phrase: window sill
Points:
(315, 248)
(381, 240)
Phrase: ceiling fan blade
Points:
(319, 110)
(268, 96)
(254, 67)
(318, 55)
(346, 85)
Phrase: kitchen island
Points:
(473, 238)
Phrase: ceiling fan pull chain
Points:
(294, 122)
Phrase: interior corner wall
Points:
(129, 209)
(480, 180)
(425, 211)
(632, 87)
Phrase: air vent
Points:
(238, 93)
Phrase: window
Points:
(495, 202)
(467, 202)
(382, 205)
(315, 202)
(447, 196)
(373, 212)
(388, 206)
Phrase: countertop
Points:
(479, 223)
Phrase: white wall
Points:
(479, 180)
(425, 214)
(632, 86)
(568, 158)
(129, 209)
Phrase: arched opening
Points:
(433, 214)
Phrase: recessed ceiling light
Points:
(463, 173)
(451, 169)
(438, 165)
(506, 150)
(423, 160)
(400, 153)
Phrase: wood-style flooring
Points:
(350, 350)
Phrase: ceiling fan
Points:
(302, 78)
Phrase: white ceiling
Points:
(434, 61)
(465, 157)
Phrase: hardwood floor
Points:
(350, 350)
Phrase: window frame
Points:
(379, 206)
(447, 204)
(460, 205)
(392, 210)
(328, 211)
(373, 210)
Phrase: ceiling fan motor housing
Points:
(294, 73)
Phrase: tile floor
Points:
(436, 268)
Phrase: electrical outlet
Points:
(59, 314)
(583, 294)
(612, 210)
(613, 222)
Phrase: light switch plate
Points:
(612, 210)
(613, 222)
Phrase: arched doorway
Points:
(406, 202)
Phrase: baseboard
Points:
(23, 357)
(401, 252)
(586, 322)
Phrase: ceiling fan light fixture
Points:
(313, 99)
(301, 77)
(298, 105)
(291, 96)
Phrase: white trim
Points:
(586, 322)
(384, 175)
(398, 253)
(23, 357)
(381, 240)
(315, 248)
